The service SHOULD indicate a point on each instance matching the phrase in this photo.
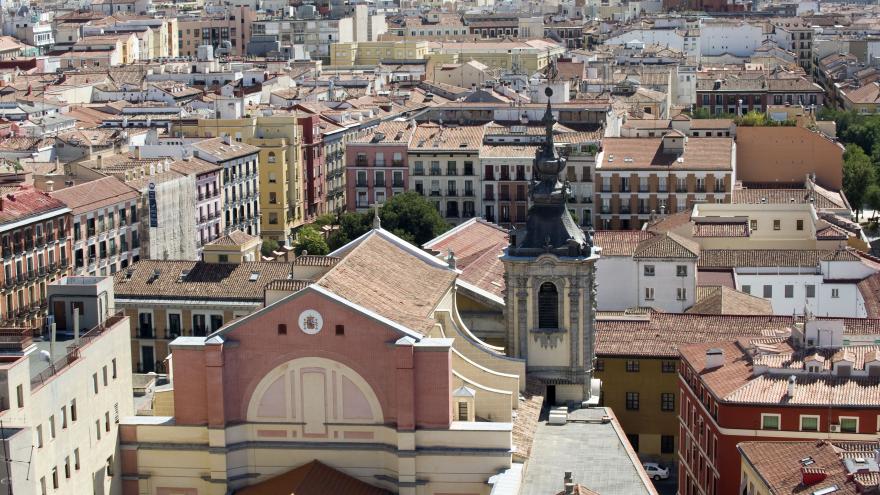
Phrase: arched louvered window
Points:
(548, 306)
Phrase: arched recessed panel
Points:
(314, 390)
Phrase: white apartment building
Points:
(62, 398)
(639, 268)
(241, 196)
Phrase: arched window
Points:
(271, 157)
(548, 308)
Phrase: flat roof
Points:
(608, 469)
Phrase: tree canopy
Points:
(407, 215)
(858, 176)
(310, 240)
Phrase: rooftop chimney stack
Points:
(75, 326)
(714, 358)
(568, 484)
(792, 383)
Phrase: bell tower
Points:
(550, 272)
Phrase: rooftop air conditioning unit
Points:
(835, 428)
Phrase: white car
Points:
(656, 471)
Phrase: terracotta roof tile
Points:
(24, 202)
(780, 464)
(620, 242)
(434, 137)
(771, 257)
(477, 246)
(216, 281)
(739, 229)
(870, 289)
(753, 195)
(217, 148)
(315, 260)
(648, 154)
(95, 194)
(390, 280)
(234, 238)
(314, 478)
(668, 245)
(727, 301)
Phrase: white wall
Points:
(616, 283)
(848, 303)
(666, 283)
(724, 37)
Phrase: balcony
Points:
(452, 192)
(361, 183)
(146, 332)
(397, 163)
(435, 171)
(489, 197)
(397, 183)
(701, 189)
(379, 183)
(31, 274)
(625, 210)
(361, 161)
(489, 176)
(468, 193)
(418, 171)
(435, 193)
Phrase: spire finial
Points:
(377, 222)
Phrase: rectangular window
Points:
(768, 291)
(67, 467)
(104, 375)
(753, 224)
(789, 291)
(462, 411)
(667, 401)
(835, 293)
(73, 410)
(19, 395)
(681, 294)
(668, 367)
(649, 293)
(811, 290)
(777, 225)
(107, 421)
(600, 366)
(95, 382)
(649, 270)
(55, 477)
(632, 401)
(800, 225)
(681, 271)
(632, 366)
(849, 424)
(39, 436)
(63, 417)
(76, 459)
(747, 289)
(98, 428)
(52, 427)
(769, 421)
(667, 444)
(113, 365)
(809, 423)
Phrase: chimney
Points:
(100, 162)
(75, 326)
(450, 259)
(812, 475)
(792, 383)
(714, 358)
(52, 342)
(568, 484)
(50, 185)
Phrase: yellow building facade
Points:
(281, 176)
(529, 56)
(643, 393)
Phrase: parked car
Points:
(656, 471)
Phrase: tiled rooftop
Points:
(23, 202)
(733, 229)
(620, 242)
(727, 301)
(154, 279)
(668, 245)
(648, 154)
(477, 246)
(95, 194)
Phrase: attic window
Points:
(282, 329)
(340, 329)
(254, 276)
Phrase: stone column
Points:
(522, 308)
(574, 295)
(589, 325)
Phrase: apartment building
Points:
(443, 165)
(105, 222)
(376, 165)
(732, 92)
(241, 191)
(503, 190)
(637, 359)
(638, 177)
(820, 378)
(169, 299)
(65, 393)
(281, 183)
(36, 248)
(208, 206)
(796, 35)
(230, 30)
(313, 167)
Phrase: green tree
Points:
(752, 119)
(326, 219)
(410, 216)
(872, 200)
(269, 245)
(858, 175)
(351, 226)
(310, 239)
